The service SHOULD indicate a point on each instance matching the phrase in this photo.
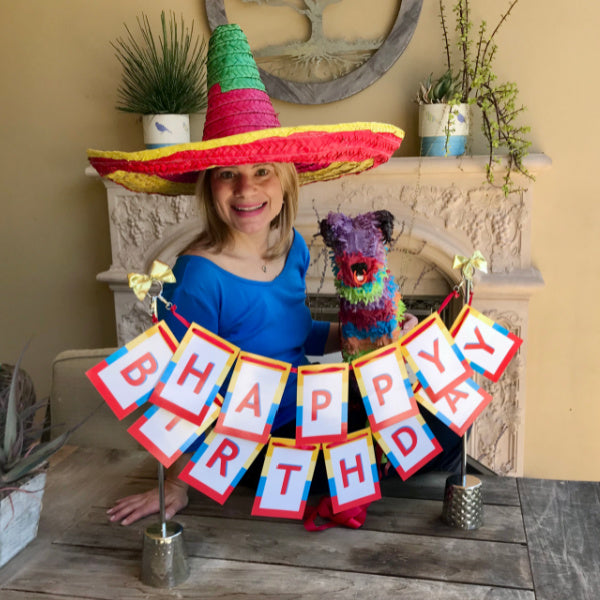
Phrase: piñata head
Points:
(371, 308)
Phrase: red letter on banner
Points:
(145, 365)
(223, 456)
(316, 405)
(201, 375)
(251, 401)
(288, 473)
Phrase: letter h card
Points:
(194, 376)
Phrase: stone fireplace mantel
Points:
(442, 207)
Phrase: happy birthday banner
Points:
(182, 384)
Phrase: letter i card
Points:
(285, 480)
(126, 378)
(167, 436)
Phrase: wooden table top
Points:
(539, 541)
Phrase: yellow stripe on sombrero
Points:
(334, 171)
(241, 139)
(153, 184)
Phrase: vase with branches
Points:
(470, 79)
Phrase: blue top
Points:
(269, 318)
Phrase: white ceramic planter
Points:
(20, 515)
(436, 121)
(165, 130)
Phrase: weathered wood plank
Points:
(82, 574)
(562, 523)
(431, 486)
(501, 523)
(287, 543)
(77, 478)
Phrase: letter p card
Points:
(126, 378)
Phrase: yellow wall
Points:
(59, 77)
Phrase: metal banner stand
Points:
(164, 562)
(463, 501)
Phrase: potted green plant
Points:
(443, 123)
(469, 62)
(22, 459)
(163, 80)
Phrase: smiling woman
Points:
(244, 277)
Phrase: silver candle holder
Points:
(164, 560)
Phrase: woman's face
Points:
(247, 197)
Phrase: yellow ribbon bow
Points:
(468, 265)
(140, 283)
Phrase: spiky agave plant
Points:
(167, 76)
(21, 450)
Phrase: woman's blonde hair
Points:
(216, 234)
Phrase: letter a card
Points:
(167, 436)
(219, 464)
(322, 406)
(487, 346)
(385, 387)
(459, 406)
(194, 376)
(409, 445)
(253, 397)
(434, 357)
(126, 378)
(352, 471)
(285, 479)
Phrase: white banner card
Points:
(285, 481)
(487, 346)
(167, 436)
(409, 445)
(434, 357)
(126, 378)
(253, 397)
(386, 389)
(194, 376)
(219, 464)
(352, 471)
(322, 404)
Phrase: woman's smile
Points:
(247, 197)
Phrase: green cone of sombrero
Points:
(242, 127)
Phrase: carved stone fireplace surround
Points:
(442, 208)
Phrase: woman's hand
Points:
(130, 509)
(408, 323)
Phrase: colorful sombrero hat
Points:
(241, 127)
